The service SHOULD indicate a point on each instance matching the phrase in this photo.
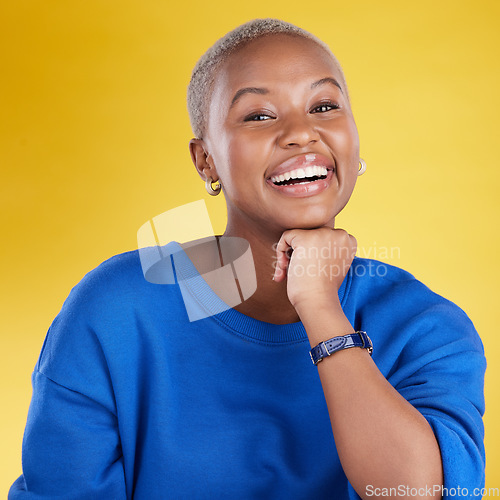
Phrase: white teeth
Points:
(301, 173)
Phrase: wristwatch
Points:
(328, 347)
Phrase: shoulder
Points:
(376, 272)
(106, 285)
(106, 312)
(376, 279)
(118, 271)
(388, 295)
(373, 279)
(114, 284)
(110, 298)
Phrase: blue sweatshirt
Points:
(133, 400)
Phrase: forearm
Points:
(381, 439)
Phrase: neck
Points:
(270, 301)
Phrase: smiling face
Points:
(280, 137)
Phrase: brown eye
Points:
(258, 117)
(325, 107)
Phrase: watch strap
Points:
(328, 347)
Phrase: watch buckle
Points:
(326, 349)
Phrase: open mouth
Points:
(300, 176)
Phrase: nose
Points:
(297, 132)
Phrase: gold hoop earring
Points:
(210, 190)
(362, 167)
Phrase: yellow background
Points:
(94, 135)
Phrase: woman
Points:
(132, 399)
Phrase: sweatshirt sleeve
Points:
(71, 444)
(441, 373)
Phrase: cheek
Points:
(342, 134)
(344, 141)
(242, 156)
(348, 136)
(354, 141)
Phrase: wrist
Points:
(323, 321)
(312, 306)
(331, 346)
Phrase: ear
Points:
(202, 160)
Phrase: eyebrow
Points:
(247, 90)
(262, 91)
(328, 79)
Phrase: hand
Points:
(315, 262)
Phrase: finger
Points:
(283, 256)
(282, 260)
(280, 272)
(354, 246)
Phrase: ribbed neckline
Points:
(214, 308)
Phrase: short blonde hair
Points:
(203, 76)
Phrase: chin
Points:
(310, 220)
